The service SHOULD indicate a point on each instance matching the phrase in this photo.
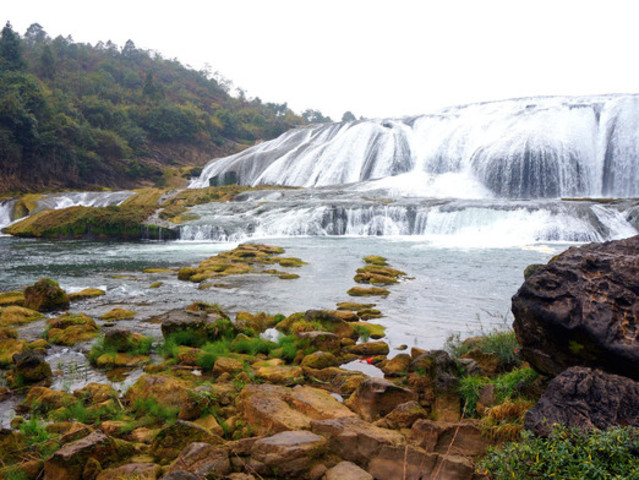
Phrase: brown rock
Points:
(416, 464)
(171, 440)
(96, 393)
(69, 461)
(281, 375)
(226, 364)
(30, 367)
(347, 470)
(317, 404)
(438, 437)
(376, 397)
(326, 341)
(397, 366)
(166, 389)
(137, 471)
(355, 440)
(203, 460)
(265, 409)
(288, 454)
(331, 322)
(403, 416)
(580, 309)
(585, 399)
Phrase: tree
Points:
(47, 62)
(10, 52)
(348, 116)
(315, 116)
(35, 34)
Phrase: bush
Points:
(502, 343)
(568, 455)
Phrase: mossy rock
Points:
(355, 307)
(45, 296)
(320, 360)
(156, 284)
(288, 276)
(368, 291)
(12, 298)
(165, 389)
(86, 293)
(368, 349)
(156, 270)
(290, 262)
(372, 330)
(117, 314)
(15, 315)
(44, 399)
(120, 359)
(171, 440)
(376, 260)
(8, 348)
(71, 328)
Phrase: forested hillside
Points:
(73, 115)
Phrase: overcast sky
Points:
(376, 58)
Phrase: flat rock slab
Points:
(585, 399)
(288, 453)
(582, 308)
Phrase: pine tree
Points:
(10, 54)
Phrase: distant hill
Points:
(74, 115)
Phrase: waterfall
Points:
(547, 147)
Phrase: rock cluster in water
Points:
(576, 319)
(257, 396)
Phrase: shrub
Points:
(502, 343)
(212, 351)
(568, 455)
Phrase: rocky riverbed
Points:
(313, 395)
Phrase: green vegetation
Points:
(502, 343)
(507, 386)
(567, 455)
(75, 115)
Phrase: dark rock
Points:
(582, 309)
(201, 325)
(45, 296)
(30, 367)
(585, 399)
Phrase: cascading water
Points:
(487, 174)
(526, 148)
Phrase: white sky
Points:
(376, 58)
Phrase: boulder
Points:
(287, 454)
(317, 404)
(71, 328)
(226, 364)
(166, 389)
(265, 409)
(403, 416)
(417, 464)
(46, 399)
(68, 462)
(15, 315)
(30, 367)
(330, 322)
(355, 440)
(137, 471)
(170, 441)
(284, 375)
(347, 470)
(376, 397)
(202, 460)
(319, 360)
(585, 399)
(199, 324)
(581, 309)
(86, 293)
(459, 438)
(398, 365)
(122, 340)
(46, 296)
(326, 341)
